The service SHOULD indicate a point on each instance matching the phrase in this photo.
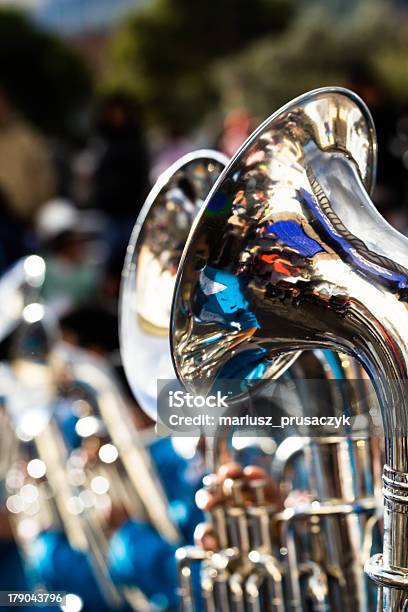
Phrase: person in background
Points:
(236, 129)
(12, 240)
(26, 174)
(168, 146)
(391, 125)
(121, 181)
(73, 265)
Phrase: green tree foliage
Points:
(46, 80)
(321, 47)
(164, 53)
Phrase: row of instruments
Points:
(273, 277)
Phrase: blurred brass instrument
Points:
(150, 269)
(19, 288)
(83, 490)
(308, 263)
(42, 493)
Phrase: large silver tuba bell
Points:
(290, 229)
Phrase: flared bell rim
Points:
(368, 178)
(155, 191)
(204, 154)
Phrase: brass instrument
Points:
(74, 490)
(151, 263)
(313, 266)
(41, 493)
(311, 554)
(112, 469)
(17, 288)
(149, 273)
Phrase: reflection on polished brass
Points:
(151, 265)
(290, 253)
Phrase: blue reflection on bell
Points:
(220, 298)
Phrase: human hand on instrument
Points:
(210, 498)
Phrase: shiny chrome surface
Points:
(17, 287)
(291, 241)
(254, 246)
(150, 268)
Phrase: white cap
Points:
(55, 217)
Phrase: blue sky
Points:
(72, 16)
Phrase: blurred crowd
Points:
(77, 209)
